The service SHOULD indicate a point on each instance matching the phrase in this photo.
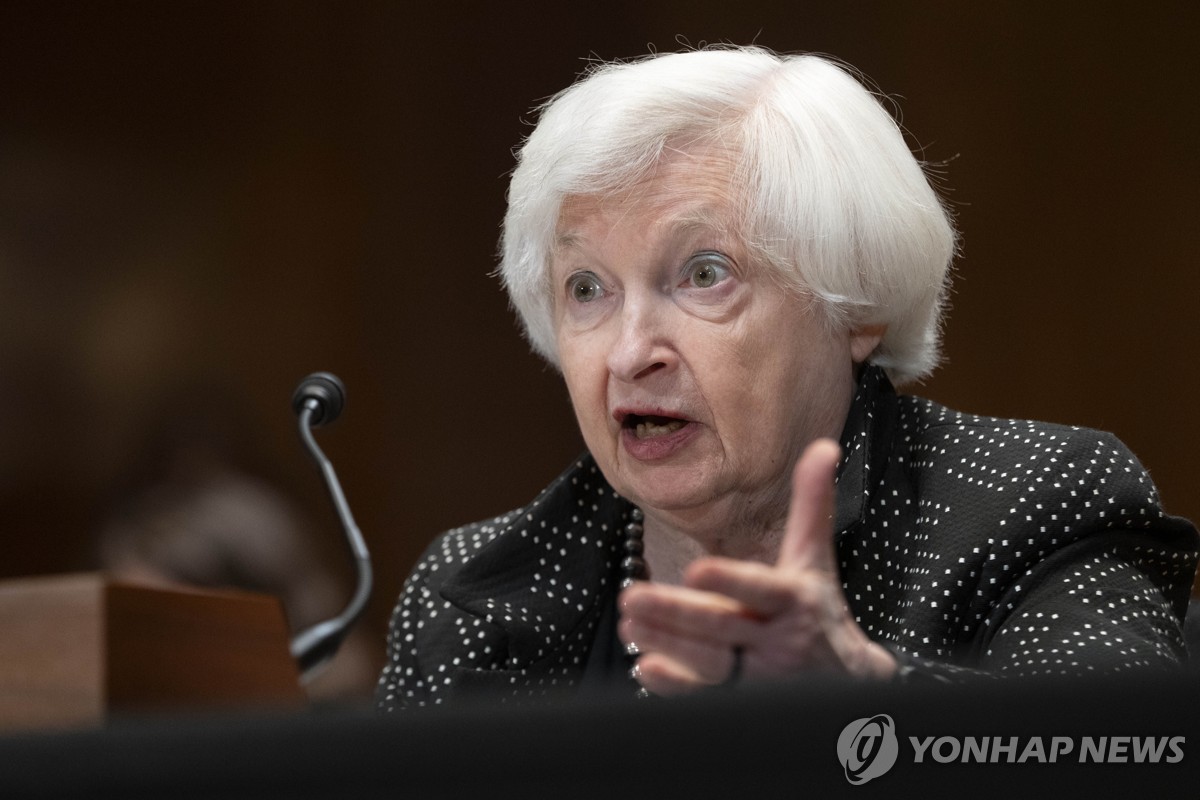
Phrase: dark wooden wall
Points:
(202, 202)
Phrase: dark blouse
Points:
(967, 545)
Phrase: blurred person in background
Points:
(189, 516)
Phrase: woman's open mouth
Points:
(647, 427)
(651, 437)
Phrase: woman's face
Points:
(696, 379)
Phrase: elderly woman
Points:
(732, 256)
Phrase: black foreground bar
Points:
(756, 743)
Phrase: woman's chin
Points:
(669, 489)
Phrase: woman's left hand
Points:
(786, 618)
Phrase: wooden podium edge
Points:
(82, 648)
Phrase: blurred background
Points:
(200, 203)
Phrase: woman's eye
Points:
(584, 287)
(706, 269)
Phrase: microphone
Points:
(324, 393)
(319, 400)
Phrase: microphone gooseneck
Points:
(319, 400)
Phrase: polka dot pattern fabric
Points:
(970, 546)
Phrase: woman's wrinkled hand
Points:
(787, 618)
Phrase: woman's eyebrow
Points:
(703, 219)
(699, 220)
(566, 239)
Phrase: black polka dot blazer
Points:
(967, 545)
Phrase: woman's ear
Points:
(864, 340)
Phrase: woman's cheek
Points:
(583, 372)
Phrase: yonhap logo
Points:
(868, 748)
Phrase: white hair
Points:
(832, 200)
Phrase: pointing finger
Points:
(808, 537)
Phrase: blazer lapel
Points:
(541, 578)
(865, 440)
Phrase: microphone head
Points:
(327, 391)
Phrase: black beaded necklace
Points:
(633, 568)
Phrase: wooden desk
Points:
(75, 649)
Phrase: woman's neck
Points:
(670, 548)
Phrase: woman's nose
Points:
(642, 345)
